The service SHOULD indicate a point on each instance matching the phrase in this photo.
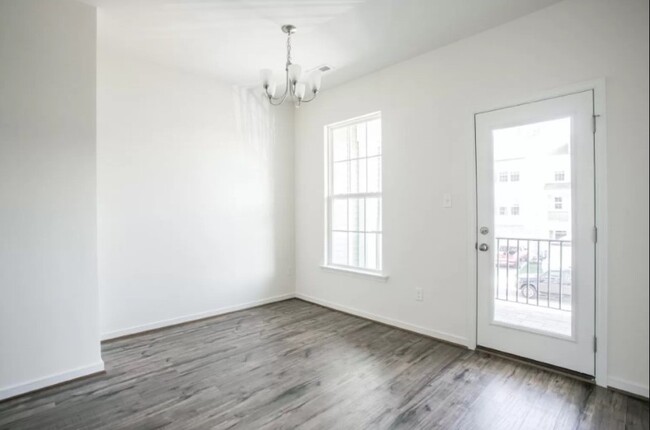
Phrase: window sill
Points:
(378, 276)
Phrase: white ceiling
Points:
(233, 39)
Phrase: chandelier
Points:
(296, 85)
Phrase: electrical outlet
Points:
(419, 294)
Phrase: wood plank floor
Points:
(297, 365)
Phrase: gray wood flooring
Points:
(297, 365)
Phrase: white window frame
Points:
(328, 265)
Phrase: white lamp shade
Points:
(266, 75)
(316, 78)
(300, 90)
(294, 73)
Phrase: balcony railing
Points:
(535, 272)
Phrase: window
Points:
(514, 176)
(502, 210)
(560, 176)
(503, 177)
(354, 194)
(559, 234)
(514, 210)
(558, 202)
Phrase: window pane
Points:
(371, 251)
(356, 215)
(339, 248)
(339, 214)
(340, 179)
(374, 175)
(373, 208)
(339, 144)
(358, 141)
(380, 250)
(354, 176)
(356, 247)
(358, 176)
(374, 137)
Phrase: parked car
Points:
(548, 283)
(511, 256)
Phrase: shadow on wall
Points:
(195, 194)
(267, 134)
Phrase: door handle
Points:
(483, 247)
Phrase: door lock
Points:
(483, 247)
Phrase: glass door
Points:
(535, 185)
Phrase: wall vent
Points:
(324, 68)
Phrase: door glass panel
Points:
(532, 213)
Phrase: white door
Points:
(536, 234)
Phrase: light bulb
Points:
(300, 90)
(294, 73)
(266, 75)
(316, 78)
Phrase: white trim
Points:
(602, 243)
(447, 337)
(472, 270)
(193, 317)
(356, 272)
(357, 119)
(599, 88)
(629, 387)
(37, 384)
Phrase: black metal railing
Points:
(534, 271)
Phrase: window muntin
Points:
(354, 194)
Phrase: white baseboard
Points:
(461, 341)
(37, 384)
(629, 387)
(193, 317)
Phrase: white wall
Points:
(427, 106)
(49, 328)
(195, 182)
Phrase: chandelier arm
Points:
(311, 99)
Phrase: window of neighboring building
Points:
(354, 194)
(558, 202)
(559, 234)
(560, 176)
(514, 177)
(502, 210)
(514, 210)
(503, 177)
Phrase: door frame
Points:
(600, 168)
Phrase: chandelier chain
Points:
(288, 49)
